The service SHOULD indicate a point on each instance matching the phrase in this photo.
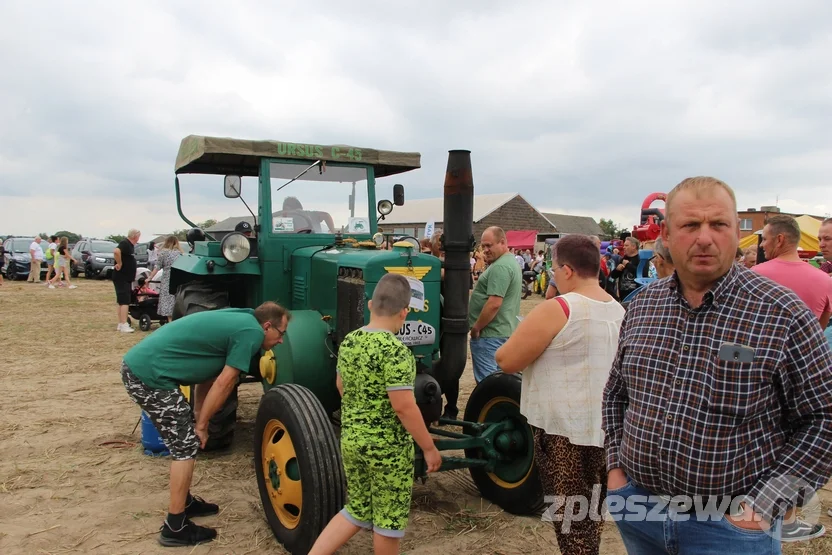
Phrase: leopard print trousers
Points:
(572, 470)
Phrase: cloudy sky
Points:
(582, 107)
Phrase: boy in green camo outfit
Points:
(379, 422)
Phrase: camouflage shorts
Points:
(170, 413)
(379, 487)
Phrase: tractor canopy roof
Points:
(226, 156)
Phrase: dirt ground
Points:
(73, 478)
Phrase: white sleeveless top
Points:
(563, 388)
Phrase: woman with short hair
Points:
(565, 348)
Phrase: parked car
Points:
(94, 257)
(16, 258)
(140, 252)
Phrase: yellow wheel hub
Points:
(280, 467)
(482, 419)
(268, 367)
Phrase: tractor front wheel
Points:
(513, 484)
(298, 465)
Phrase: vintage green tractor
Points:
(316, 249)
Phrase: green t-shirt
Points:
(195, 348)
(502, 278)
(371, 363)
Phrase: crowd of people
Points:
(722, 361)
(649, 402)
(714, 381)
(58, 258)
(131, 287)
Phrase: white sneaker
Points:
(51, 286)
(125, 328)
(73, 287)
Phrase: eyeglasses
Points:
(280, 332)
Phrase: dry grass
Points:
(73, 478)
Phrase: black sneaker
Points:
(189, 534)
(199, 507)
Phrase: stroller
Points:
(144, 304)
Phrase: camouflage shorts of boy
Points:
(379, 487)
(170, 413)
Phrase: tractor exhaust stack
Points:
(458, 241)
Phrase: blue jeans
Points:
(828, 333)
(649, 526)
(483, 351)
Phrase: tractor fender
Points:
(306, 357)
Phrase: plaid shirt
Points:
(679, 421)
(827, 266)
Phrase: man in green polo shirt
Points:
(494, 304)
(209, 349)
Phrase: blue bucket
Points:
(151, 440)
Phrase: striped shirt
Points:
(680, 421)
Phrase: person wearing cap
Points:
(243, 227)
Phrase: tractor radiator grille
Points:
(350, 301)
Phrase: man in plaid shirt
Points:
(721, 389)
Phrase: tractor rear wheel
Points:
(198, 297)
(298, 466)
(514, 484)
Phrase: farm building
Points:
(510, 211)
(566, 224)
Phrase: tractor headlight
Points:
(378, 239)
(235, 247)
(384, 207)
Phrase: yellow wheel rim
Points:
(481, 419)
(268, 367)
(280, 469)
